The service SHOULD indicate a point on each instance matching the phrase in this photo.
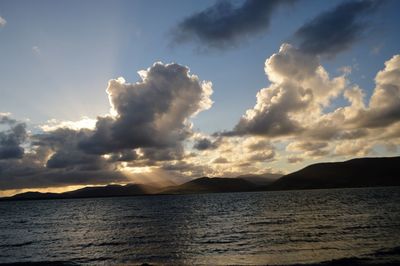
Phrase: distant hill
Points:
(364, 172)
(34, 195)
(90, 192)
(261, 180)
(212, 185)
(110, 191)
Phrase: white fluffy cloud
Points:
(299, 86)
(293, 107)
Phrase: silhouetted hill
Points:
(90, 192)
(35, 195)
(261, 180)
(110, 191)
(212, 185)
(364, 172)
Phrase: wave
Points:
(17, 245)
(40, 263)
(381, 257)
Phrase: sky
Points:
(99, 92)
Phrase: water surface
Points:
(282, 227)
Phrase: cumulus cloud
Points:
(293, 108)
(336, 30)
(220, 160)
(206, 144)
(148, 124)
(294, 159)
(223, 24)
(55, 160)
(152, 113)
(148, 131)
(54, 124)
(384, 106)
(261, 156)
(11, 138)
(308, 148)
(3, 22)
(299, 85)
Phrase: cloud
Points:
(54, 124)
(223, 24)
(294, 159)
(55, 160)
(384, 105)
(206, 144)
(149, 133)
(299, 84)
(336, 30)
(261, 156)
(308, 148)
(220, 160)
(152, 113)
(12, 138)
(3, 22)
(148, 124)
(294, 109)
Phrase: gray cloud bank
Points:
(224, 25)
(12, 138)
(338, 29)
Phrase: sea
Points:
(357, 226)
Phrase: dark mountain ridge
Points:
(90, 192)
(212, 185)
(362, 172)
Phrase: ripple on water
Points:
(229, 228)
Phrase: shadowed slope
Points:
(212, 185)
(365, 172)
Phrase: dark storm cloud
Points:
(152, 113)
(224, 24)
(206, 144)
(19, 175)
(12, 138)
(56, 160)
(336, 30)
(124, 156)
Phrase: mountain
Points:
(110, 191)
(34, 195)
(364, 172)
(212, 185)
(90, 192)
(261, 180)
